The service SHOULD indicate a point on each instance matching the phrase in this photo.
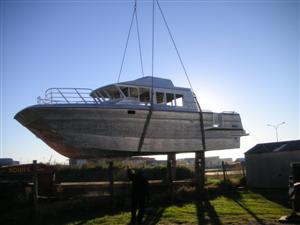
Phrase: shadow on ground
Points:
(280, 196)
(237, 198)
(80, 211)
(153, 216)
(204, 208)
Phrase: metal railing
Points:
(67, 96)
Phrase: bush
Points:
(99, 173)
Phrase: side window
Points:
(179, 100)
(144, 95)
(133, 92)
(160, 97)
(170, 99)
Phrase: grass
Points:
(222, 203)
(248, 206)
(122, 218)
(230, 207)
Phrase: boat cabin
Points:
(138, 92)
(131, 93)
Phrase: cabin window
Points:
(160, 97)
(144, 95)
(170, 99)
(105, 96)
(99, 97)
(113, 92)
(125, 91)
(133, 92)
(179, 100)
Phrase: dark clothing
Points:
(137, 204)
(139, 193)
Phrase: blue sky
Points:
(240, 55)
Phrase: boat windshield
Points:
(120, 94)
(113, 93)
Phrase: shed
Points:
(268, 165)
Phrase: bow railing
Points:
(67, 96)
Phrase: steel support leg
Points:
(171, 172)
(199, 170)
(111, 180)
(35, 185)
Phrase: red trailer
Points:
(16, 182)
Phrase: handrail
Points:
(67, 96)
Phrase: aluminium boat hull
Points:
(81, 131)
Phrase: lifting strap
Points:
(141, 142)
(201, 124)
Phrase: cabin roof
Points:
(147, 82)
(273, 147)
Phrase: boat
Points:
(146, 116)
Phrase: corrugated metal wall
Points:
(270, 170)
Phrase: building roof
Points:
(273, 147)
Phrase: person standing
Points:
(293, 190)
(139, 195)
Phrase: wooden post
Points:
(171, 172)
(224, 171)
(200, 170)
(35, 185)
(171, 166)
(243, 169)
(111, 180)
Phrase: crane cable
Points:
(174, 44)
(181, 62)
(186, 74)
(134, 15)
(139, 40)
(149, 115)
